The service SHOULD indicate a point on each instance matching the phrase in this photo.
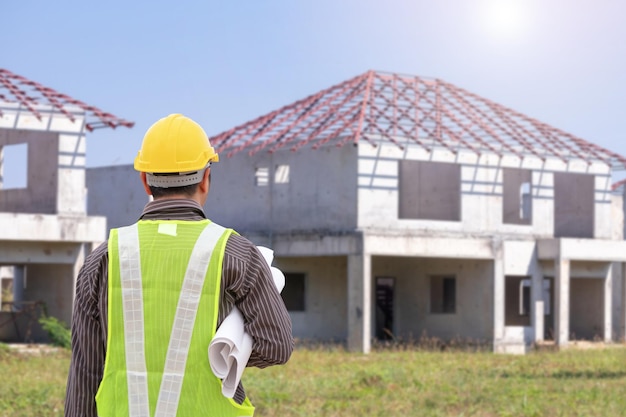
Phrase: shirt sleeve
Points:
(250, 286)
(88, 339)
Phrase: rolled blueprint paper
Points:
(231, 347)
(279, 278)
(229, 352)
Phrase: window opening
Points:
(524, 297)
(281, 175)
(574, 205)
(517, 202)
(443, 295)
(294, 292)
(261, 177)
(14, 166)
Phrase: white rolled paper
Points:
(231, 346)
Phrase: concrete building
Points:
(45, 231)
(400, 206)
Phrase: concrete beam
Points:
(429, 247)
(579, 269)
(15, 253)
(51, 228)
(583, 249)
(314, 244)
(359, 303)
(538, 321)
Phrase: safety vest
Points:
(163, 298)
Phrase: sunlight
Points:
(506, 19)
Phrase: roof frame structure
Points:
(30, 94)
(405, 109)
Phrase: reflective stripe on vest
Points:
(132, 296)
(184, 320)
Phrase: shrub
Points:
(58, 331)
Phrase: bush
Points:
(58, 331)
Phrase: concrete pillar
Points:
(1, 167)
(84, 250)
(19, 280)
(608, 304)
(623, 303)
(498, 295)
(359, 303)
(539, 325)
(537, 306)
(561, 295)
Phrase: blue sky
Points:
(224, 63)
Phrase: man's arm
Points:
(249, 284)
(88, 344)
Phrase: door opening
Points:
(384, 307)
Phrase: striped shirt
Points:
(246, 282)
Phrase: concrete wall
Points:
(51, 284)
(40, 196)
(320, 193)
(325, 315)
(482, 192)
(72, 193)
(115, 192)
(473, 318)
(617, 215)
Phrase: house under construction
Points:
(400, 206)
(45, 230)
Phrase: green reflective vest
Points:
(162, 316)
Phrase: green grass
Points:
(327, 381)
(32, 385)
(418, 383)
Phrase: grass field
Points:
(327, 381)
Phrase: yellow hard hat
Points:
(175, 144)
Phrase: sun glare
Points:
(505, 19)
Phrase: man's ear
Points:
(205, 183)
(144, 181)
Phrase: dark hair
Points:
(186, 190)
